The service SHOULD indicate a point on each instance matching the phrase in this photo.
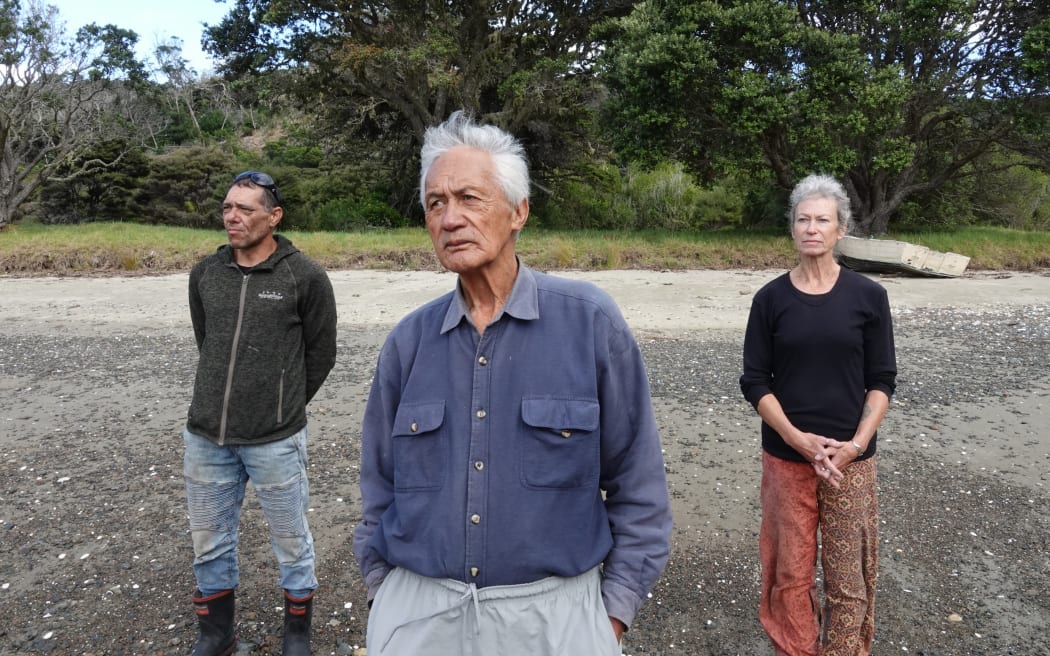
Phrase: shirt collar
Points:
(523, 302)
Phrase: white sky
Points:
(153, 20)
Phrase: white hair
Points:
(821, 186)
(508, 155)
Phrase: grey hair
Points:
(821, 186)
(508, 155)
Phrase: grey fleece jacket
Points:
(266, 341)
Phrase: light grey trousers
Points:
(413, 615)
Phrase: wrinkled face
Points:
(816, 227)
(468, 217)
(247, 221)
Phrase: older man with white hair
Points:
(512, 482)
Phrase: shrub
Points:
(668, 198)
(185, 186)
(283, 153)
(664, 198)
(586, 204)
(1026, 207)
(355, 214)
(719, 206)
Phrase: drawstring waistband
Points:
(470, 593)
(464, 593)
(473, 592)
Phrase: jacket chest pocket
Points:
(420, 440)
(561, 445)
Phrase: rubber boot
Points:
(298, 612)
(215, 620)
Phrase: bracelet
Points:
(857, 447)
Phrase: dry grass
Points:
(128, 249)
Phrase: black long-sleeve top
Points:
(819, 355)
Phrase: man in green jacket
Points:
(264, 318)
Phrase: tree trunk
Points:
(6, 211)
(872, 221)
(875, 197)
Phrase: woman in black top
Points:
(819, 367)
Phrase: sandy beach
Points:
(661, 302)
(94, 546)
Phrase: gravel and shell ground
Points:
(96, 375)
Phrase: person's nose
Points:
(453, 216)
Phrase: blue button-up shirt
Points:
(528, 451)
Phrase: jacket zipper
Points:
(280, 399)
(233, 362)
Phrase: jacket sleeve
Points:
(319, 317)
(634, 481)
(197, 305)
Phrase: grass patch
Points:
(131, 248)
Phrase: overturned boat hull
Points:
(890, 256)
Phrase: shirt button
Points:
(481, 413)
(483, 361)
(414, 427)
(473, 571)
(479, 465)
(566, 433)
(475, 519)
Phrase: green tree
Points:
(378, 73)
(196, 108)
(180, 83)
(99, 193)
(895, 97)
(58, 96)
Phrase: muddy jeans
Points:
(216, 478)
(795, 503)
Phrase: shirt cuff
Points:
(620, 601)
(374, 579)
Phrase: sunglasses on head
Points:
(264, 181)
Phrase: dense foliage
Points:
(58, 97)
(665, 114)
(896, 98)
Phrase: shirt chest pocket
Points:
(561, 444)
(420, 446)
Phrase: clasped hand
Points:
(828, 457)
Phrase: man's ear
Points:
(276, 215)
(521, 215)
